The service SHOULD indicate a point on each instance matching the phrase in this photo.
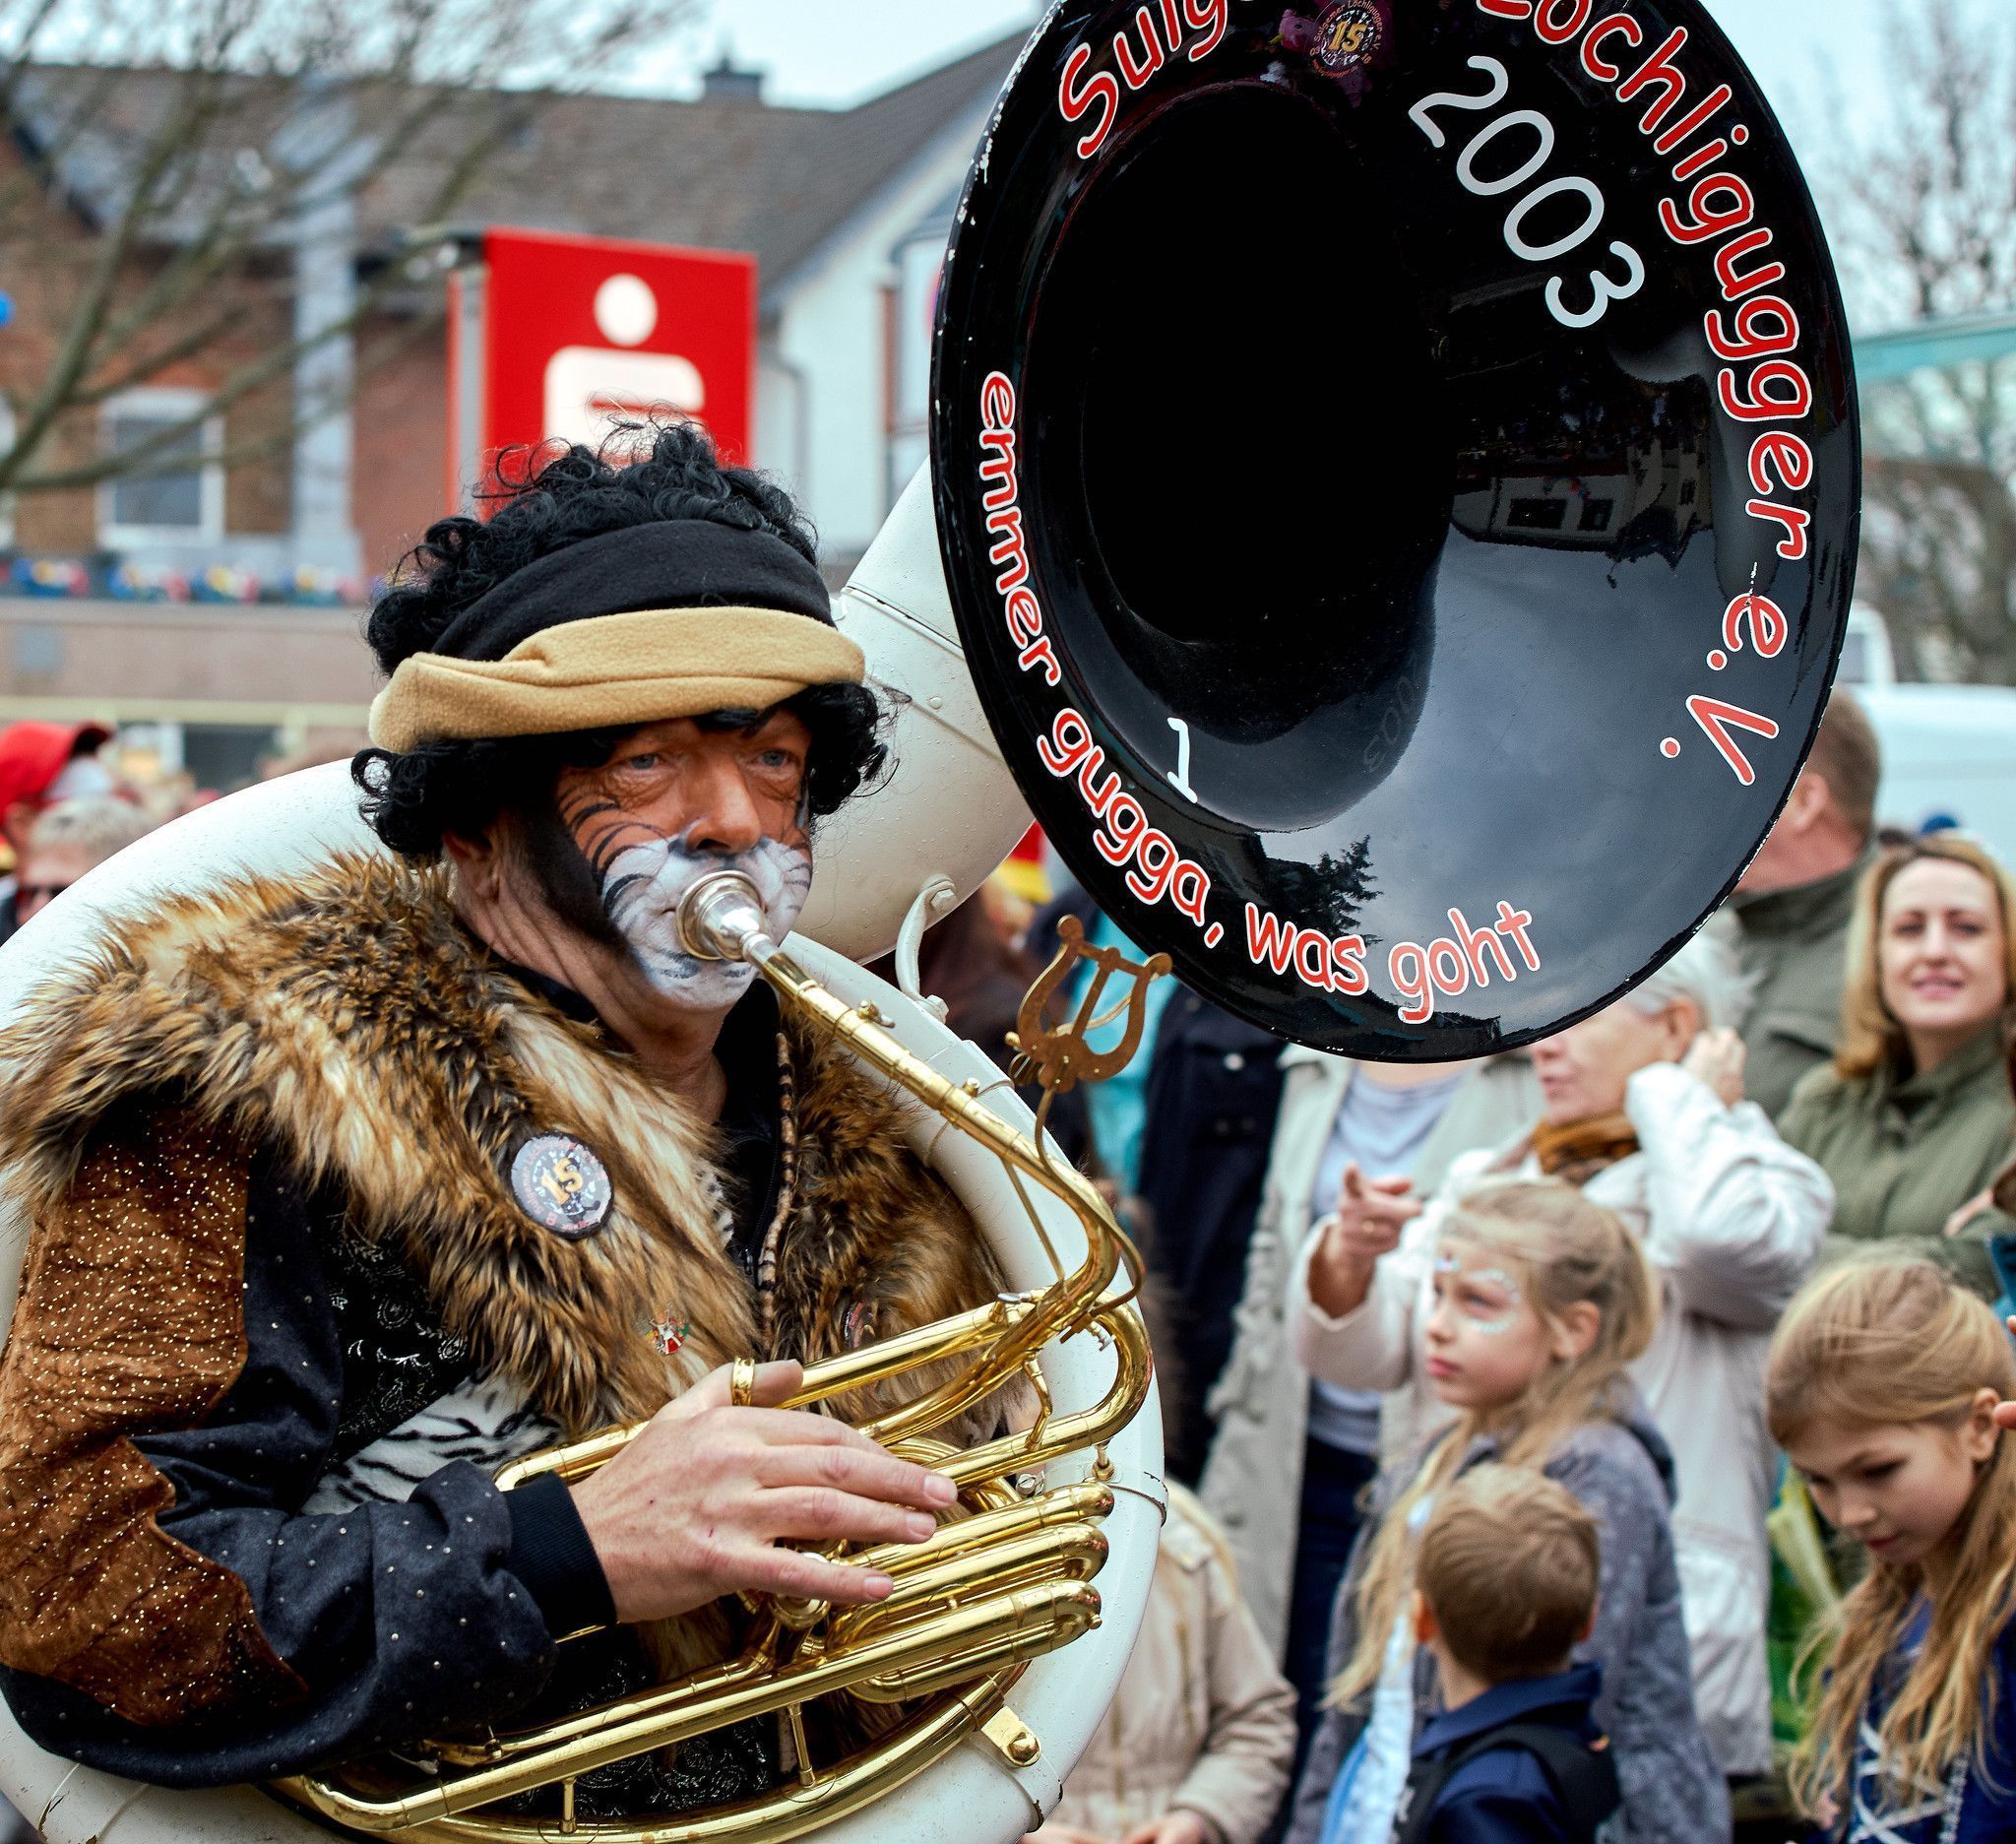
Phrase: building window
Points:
(1538, 515)
(178, 496)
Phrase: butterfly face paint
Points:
(1484, 1344)
(1487, 1281)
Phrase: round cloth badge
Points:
(561, 1185)
(1347, 35)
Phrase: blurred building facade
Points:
(220, 606)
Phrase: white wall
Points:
(822, 387)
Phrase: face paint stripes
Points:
(641, 874)
(1498, 1277)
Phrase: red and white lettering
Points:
(1739, 339)
(1559, 21)
(1764, 275)
(1155, 860)
(1476, 944)
(1348, 966)
(1038, 652)
(1513, 923)
(1763, 405)
(1444, 953)
(1695, 117)
(1614, 26)
(1795, 519)
(1708, 222)
(1122, 818)
(1025, 617)
(1658, 70)
(1075, 102)
(1212, 17)
(1715, 718)
(997, 402)
(1789, 452)
(1137, 75)
(1067, 744)
(1268, 942)
(1769, 630)
(1408, 968)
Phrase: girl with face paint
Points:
(1540, 1302)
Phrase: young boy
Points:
(1505, 1589)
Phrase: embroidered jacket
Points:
(278, 1280)
(1963, 1805)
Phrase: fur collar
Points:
(349, 1018)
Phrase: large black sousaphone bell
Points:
(1398, 478)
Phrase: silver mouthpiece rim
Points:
(720, 916)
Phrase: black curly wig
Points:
(545, 499)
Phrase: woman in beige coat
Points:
(1195, 1748)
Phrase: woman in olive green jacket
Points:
(1914, 1119)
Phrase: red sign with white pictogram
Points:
(576, 332)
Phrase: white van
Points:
(1948, 750)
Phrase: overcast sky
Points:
(817, 51)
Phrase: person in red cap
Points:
(41, 763)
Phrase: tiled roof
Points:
(724, 172)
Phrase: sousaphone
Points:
(1392, 516)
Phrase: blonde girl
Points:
(1882, 1388)
(1542, 1300)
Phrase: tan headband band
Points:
(613, 670)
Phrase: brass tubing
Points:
(1004, 1629)
(1059, 1306)
(1070, 1505)
(771, 1818)
(939, 1669)
(1070, 1552)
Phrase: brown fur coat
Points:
(350, 1019)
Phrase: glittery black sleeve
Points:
(388, 1621)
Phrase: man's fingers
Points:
(823, 1512)
(2005, 1412)
(774, 1383)
(793, 1572)
(1395, 1186)
(867, 1470)
(800, 1428)
(1354, 1180)
(1392, 1209)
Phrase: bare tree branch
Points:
(177, 165)
(1924, 198)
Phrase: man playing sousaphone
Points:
(345, 1190)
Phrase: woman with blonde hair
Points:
(1914, 1118)
(1541, 1302)
(1884, 1385)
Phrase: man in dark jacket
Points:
(1793, 906)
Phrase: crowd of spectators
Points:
(1824, 1069)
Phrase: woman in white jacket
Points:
(1643, 1109)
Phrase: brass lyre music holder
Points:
(1060, 1057)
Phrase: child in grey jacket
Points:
(1542, 1300)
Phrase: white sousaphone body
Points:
(948, 816)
